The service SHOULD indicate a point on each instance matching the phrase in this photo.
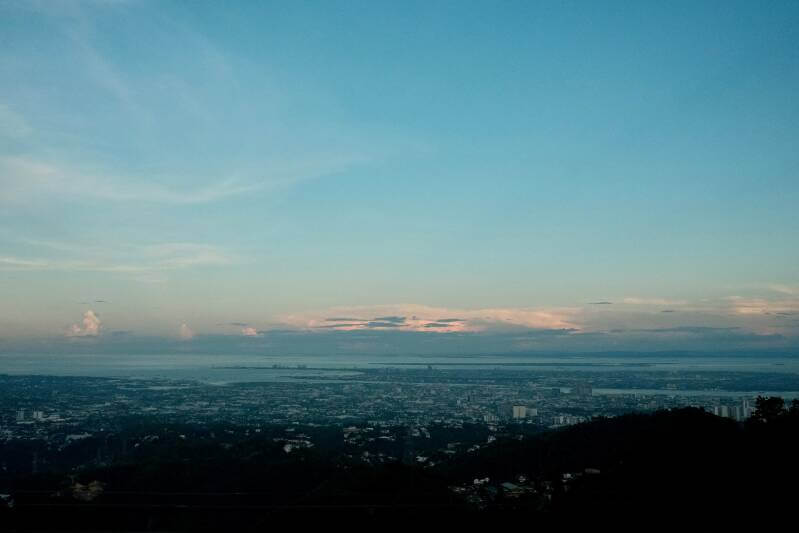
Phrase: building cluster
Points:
(25, 415)
(739, 411)
(44, 407)
(483, 492)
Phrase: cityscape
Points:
(366, 263)
(424, 416)
(385, 397)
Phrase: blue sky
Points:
(180, 170)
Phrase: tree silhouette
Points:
(769, 409)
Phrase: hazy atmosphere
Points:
(393, 261)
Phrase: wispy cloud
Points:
(24, 264)
(790, 290)
(40, 171)
(25, 179)
(142, 99)
(140, 260)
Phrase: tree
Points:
(768, 409)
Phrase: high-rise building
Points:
(747, 409)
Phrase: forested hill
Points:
(673, 461)
(676, 461)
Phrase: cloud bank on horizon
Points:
(411, 317)
(539, 176)
(730, 323)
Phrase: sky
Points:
(450, 176)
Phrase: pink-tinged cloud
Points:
(249, 332)
(89, 326)
(185, 332)
(763, 306)
(412, 317)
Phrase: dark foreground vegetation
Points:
(659, 464)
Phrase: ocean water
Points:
(227, 368)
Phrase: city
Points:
(428, 417)
(377, 262)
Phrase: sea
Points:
(223, 369)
